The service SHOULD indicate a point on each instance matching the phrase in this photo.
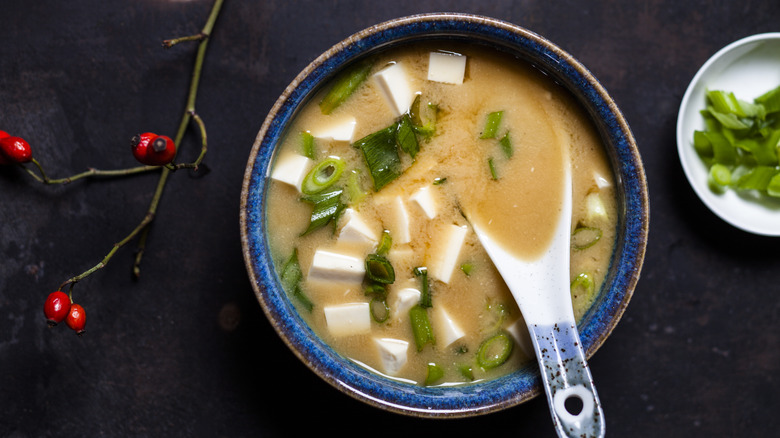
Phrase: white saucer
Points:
(749, 67)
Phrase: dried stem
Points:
(142, 228)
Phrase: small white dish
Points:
(749, 67)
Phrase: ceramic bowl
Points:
(748, 67)
(482, 397)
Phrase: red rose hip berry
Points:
(3, 159)
(15, 149)
(76, 319)
(56, 307)
(140, 143)
(160, 151)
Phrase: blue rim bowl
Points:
(481, 397)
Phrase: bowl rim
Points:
(496, 394)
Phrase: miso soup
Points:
(365, 208)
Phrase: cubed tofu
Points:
(292, 169)
(348, 319)
(405, 299)
(333, 266)
(394, 85)
(594, 207)
(424, 198)
(398, 222)
(355, 230)
(445, 328)
(519, 332)
(444, 255)
(341, 129)
(392, 354)
(601, 182)
(446, 67)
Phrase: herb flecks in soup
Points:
(365, 209)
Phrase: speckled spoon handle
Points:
(569, 387)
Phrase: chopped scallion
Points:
(344, 85)
(379, 269)
(355, 191)
(435, 373)
(323, 175)
(494, 351)
(327, 207)
(307, 144)
(439, 181)
(492, 123)
(291, 280)
(425, 294)
(406, 137)
(720, 175)
(582, 287)
(492, 167)
(467, 268)
(585, 237)
(506, 145)
(421, 327)
(381, 156)
(385, 243)
(380, 311)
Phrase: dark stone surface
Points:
(187, 351)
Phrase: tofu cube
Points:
(392, 353)
(348, 319)
(449, 68)
(292, 169)
(356, 230)
(445, 328)
(405, 299)
(425, 200)
(394, 85)
(519, 332)
(336, 267)
(594, 207)
(399, 222)
(444, 256)
(339, 129)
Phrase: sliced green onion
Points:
(323, 175)
(702, 144)
(381, 156)
(355, 191)
(585, 237)
(498, 313)
(492, 123)
(291, 280)
(722, 150)
(327, 207)
(421, 327)
(375, 289)
(467, 268)
(379, 269)
(494, 351)
(344, 85)
(492, 167)
(773, 188)
(406, 137)
(385, 243)
(720, 175)
(757, 178)
(466, 371)
(439, 181)
(307, 144)
(770, 100)
(506, 145)
(423, 118)
(425, 294)
(724, 102)
(435, 373)
(582, 287)
(380, 311)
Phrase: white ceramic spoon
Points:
(541, 289)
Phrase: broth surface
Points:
(523, 204)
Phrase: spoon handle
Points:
(571, 394)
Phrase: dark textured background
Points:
(695, 355)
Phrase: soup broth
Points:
(512, 178)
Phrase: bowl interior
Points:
(748, 67)
(480, 397)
